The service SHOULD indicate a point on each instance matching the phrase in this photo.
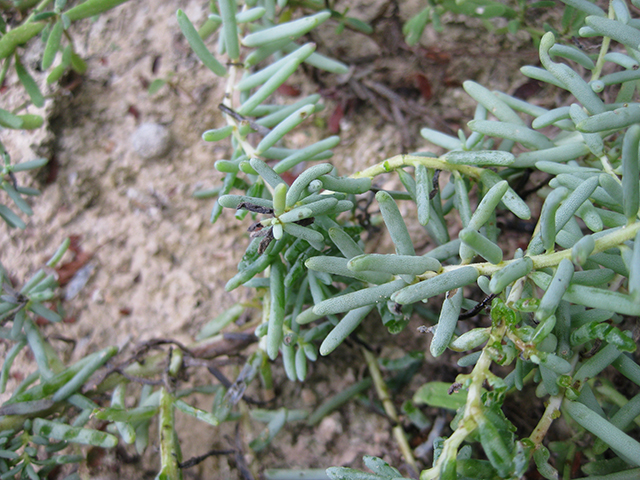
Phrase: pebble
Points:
(151, 140)
(328, 428)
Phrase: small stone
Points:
(151, 140)
(328, 428)
(97, 296)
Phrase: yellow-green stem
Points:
(611, 240)
(550, 414)
(389, 408)
(473, 406)
(400, 161)
(595, 75)
(169, 448)
(38, 8)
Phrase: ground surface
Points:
(158, 266)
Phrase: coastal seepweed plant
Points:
(58, 408)
(561, 310)
(9, 183)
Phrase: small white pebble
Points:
(97, 296)
(151, 140)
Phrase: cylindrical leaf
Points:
(592, 140)
(309, 210)
(470, 340)
(198, 46)
(52, 46)
(441, 139)
(395, 224)
(306, 153)
(573, 202)
(441, 283)
(581, 250)
(510, 199)
(303, 180)
(509, 274)
(269, 87)
(85, 436)
(634, 269)
(289, 361)
(348, 185)
(344, 328)
(266, 172)
(518, 133)
(594, 297)
(258, 78)
(485, 158)
(446, 323)
(301, 363)
(347, 246)
(487, 205)
(233, 201)
(574, 54)
(394, 264)
(91, 8)
(339, 266)
(601, 428)
(423, 189)
(80, 378)
(284, 127)
(276, 312)
(586, 6)
(616, 30)
(481, 245)
(289, 30)
(230, 28)
(29, 84)
(217, 134)
(548, 217)
(568, 77)
(557, 288)
(493, 104)
(631, 173)
(563, 153)
(19, 36)
(612, 120)
(360, 298)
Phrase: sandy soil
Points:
(158, 266)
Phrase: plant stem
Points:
(549, 415)
(595, 75)
(606, 166)
(169, 449)
(473, 407)
(389, 408)
(611, 240)
(41, 6)
(449, 450)
(400, 161)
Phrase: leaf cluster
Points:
(567, 293)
